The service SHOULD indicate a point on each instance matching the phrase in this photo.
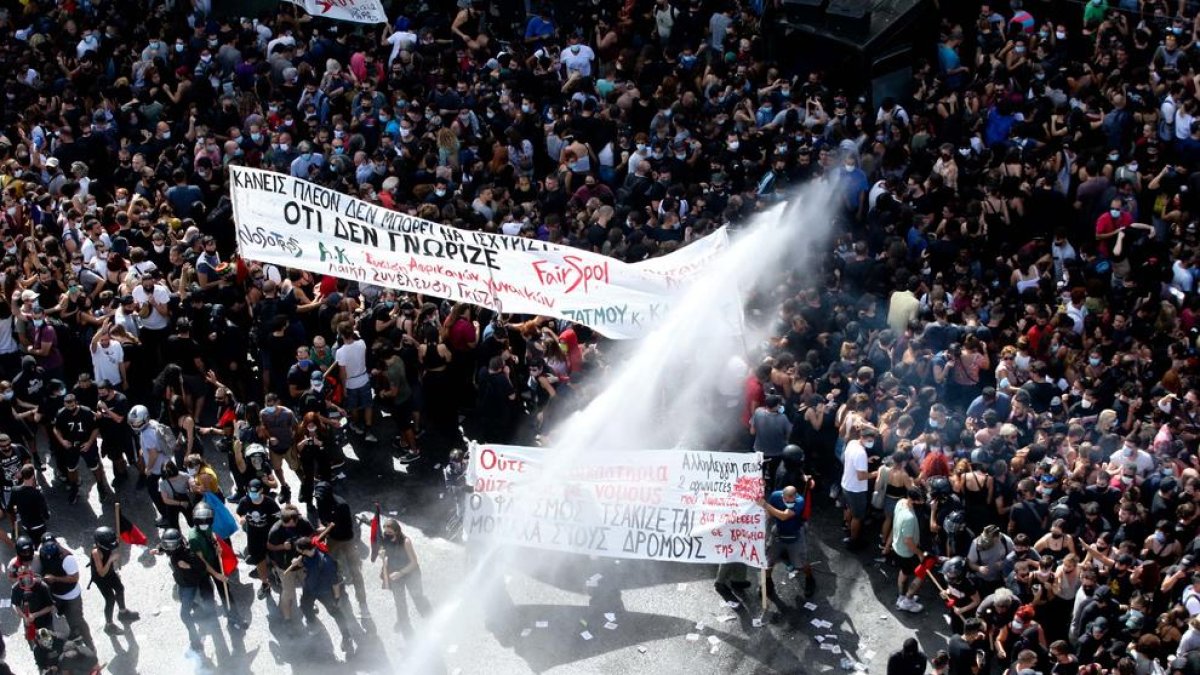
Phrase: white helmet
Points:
(138, 416)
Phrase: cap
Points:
(255, 484)
(1102, 594)
(126, 299)
(52, 162)
(317, 376)
(1100, 622)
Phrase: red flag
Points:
(229, 561)
(375, 534)
(130, 534)
(321, 545)
(922, 570)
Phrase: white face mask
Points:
(1021, 361)
(192, 472)
(868, 444)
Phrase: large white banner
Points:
(677, 505)
(358, 11)
(294, 223)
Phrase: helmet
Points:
(322, 491)
(138, 416)
(1060, 511)
(171, 540)
(793, 453)
(939, 486)
(956, 522)
(105, 538)
(48, 536)
(202, 514)
(49, 549)
(25, 548)
(954, 569)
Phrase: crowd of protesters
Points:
(995, 364)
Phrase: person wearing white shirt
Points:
(108, 358)
(151, 300)
(578, 58)
(855, 474)
(399, 41)
(351, 359)
(1131, 454)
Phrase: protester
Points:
(1007, 306)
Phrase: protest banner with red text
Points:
(294, 223)
(676, 505)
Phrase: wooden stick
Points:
(117, 509)
(225, 585)
(762, 584)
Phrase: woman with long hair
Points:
(401, 572)
(441, 412)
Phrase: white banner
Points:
(358, 11)
(676, 505)
(294, 223)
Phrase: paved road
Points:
(668, 618)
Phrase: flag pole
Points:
(117, 514)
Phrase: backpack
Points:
(168, 440)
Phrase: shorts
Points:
(67, 459)
(402, 414)
(256, 550)
(91, 457)
(856, 502)
(357, 399)
(907, 565)
(195, 385)
(796, 548)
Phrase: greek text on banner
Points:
(677, 505)
(358, 11)
(294, 223)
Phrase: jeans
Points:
(72, 611)
(412, 583)
(332, 605)
(193, 598)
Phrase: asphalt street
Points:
(640, 616)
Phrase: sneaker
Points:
(911, 605)
(370, 437)
(901, 602)
(355, 428)
(285, 494)
(113, 629)
(410, 458)
(128, 615)
(263, 592)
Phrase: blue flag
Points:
(224, 524)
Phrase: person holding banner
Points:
(789, 530)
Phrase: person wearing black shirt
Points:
(29, 504)
(1028, 515)
(280, 547)
(338, 529)
(184, 351)
(495, 401)
(257, 515)
(31, 596)
(12, 458)
(968, 654)
(76, 430)
(111, 409)
(910, 660)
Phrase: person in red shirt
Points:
(1109, 224)
(755, 395)
(574, 352)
